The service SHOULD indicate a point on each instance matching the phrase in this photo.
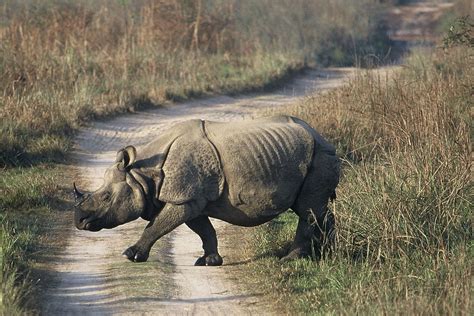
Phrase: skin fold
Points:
(244, 173)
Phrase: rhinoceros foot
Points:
(209, 260)
(135, 254)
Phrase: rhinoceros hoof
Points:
(214, 260)
(201, 261)
(134, 254)
(209, 260)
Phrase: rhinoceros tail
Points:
(333, 196)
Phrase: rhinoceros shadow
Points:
(96, 297)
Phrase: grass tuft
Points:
(27, 196)
(15, 242)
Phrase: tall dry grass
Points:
(64, 62)
(404, 208)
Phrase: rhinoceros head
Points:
(119, 200)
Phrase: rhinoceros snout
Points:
(82, 220)
(85, 221)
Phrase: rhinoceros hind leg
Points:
(203, 227)
(316, 222)
(301, 247)
(209, 260)
(319, 232)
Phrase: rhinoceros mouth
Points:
(89, 223)
(92, 226)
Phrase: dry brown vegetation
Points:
(64, 62)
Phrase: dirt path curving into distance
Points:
(93, 278)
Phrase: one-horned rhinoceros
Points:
(244, 173)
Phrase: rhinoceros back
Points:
(264, 161)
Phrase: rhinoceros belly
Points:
(264, 162)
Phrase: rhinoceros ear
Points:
(126, 156)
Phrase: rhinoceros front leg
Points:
(170, 217)
(203, 227)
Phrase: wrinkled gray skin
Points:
(244, 173)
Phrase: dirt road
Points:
(93, 278)
(415, 22)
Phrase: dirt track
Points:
(89, 280)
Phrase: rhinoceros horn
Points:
(77, 194)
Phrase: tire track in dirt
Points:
(85, 281)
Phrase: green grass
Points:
(419, 285)
(26, 202)
(14, 244)
(404, 207)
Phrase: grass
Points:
(40, 122)
(64, 62)
(24, 206)
(14, 286)
(404, 207)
